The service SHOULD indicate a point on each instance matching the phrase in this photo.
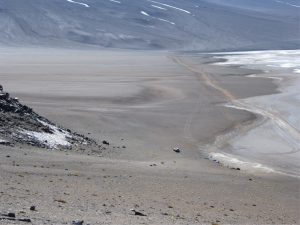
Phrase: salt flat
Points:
(275, 141)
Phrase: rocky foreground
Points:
(19, 124)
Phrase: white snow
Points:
(287, 3)
(144, 13)
(296, 70)
(79, 3)
(167, 21)
(281, 58)
(158, 7)
(115, 1)
(230, 161)
(57, 138)
(269, 77)
(2, 141)
(170, 6)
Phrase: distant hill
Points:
(205, 25)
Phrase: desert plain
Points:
(145, 104)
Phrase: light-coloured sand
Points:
(150, 102)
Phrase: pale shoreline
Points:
(279, 111)
(149, 102)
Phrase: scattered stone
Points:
(236, 168)
(24, 220)
(137, 213)
(177, 150)
(60, 201)
(11, 215)
(4, 142)
(179, 217)
(15, 219)
(105, 142)
(77, 222)
(32, 208)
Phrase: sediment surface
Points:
(144, 104)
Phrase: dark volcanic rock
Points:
(177, 150)
(105, 142)
(20, 124)
(12, 215)
(137, 213)
(77, 222)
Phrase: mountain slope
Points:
(146, 24)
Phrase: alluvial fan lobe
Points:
(20, 124)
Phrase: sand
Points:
(150, 102)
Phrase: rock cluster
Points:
(20, 124)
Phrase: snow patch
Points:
(79, 3)
(170, 6)
(230, 161)
(277, 59)
(158, 7)
(296, 70)
(2, 141)
(144, 13)
(51, 140)
(167, 21)
(268, 77)
(287, 3)
(115, 1)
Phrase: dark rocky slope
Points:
(19, 124)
